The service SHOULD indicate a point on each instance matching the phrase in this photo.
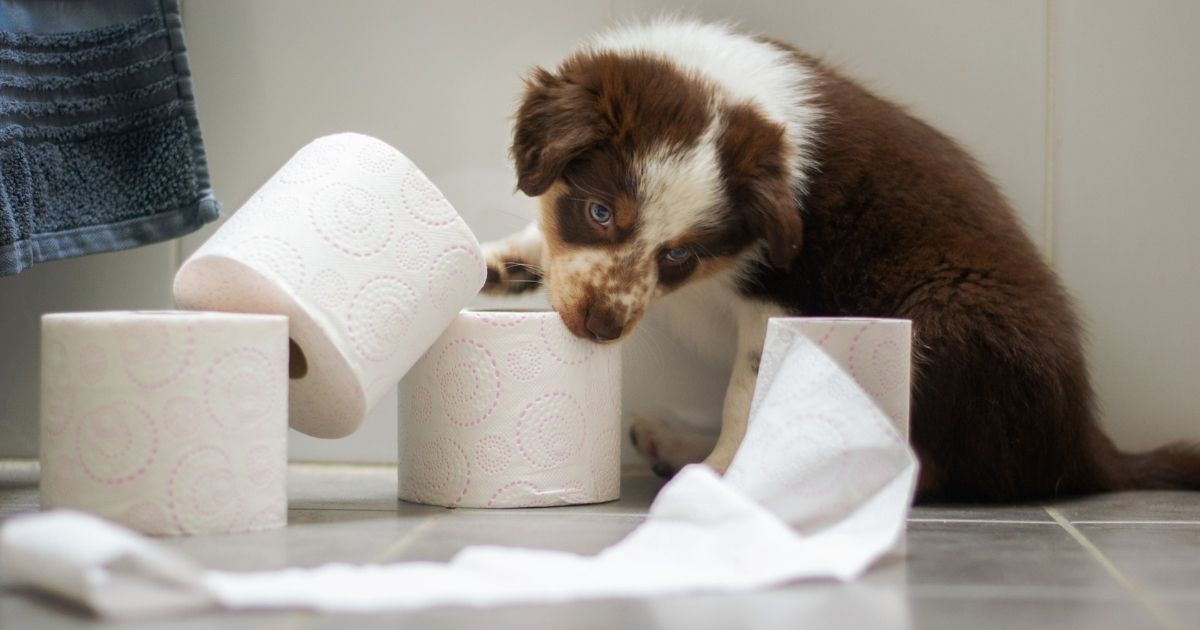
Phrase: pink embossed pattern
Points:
(116, 443)
(550, 430)
(380, 315)
(275, 256)
(468, 381)
(203, 491)
(493, 454)
(425, 202)
(441, 474)
(314, 161)
(455, 276)
(562, 345)
(238, 388)
(154, 354)
(412, 251)
(182, 433)
(536, 427)
(352, 219)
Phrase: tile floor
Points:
(1119, 561)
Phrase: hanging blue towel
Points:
(100, 148)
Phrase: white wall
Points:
(1083, 111)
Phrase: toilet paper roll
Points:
(362, 253)
(875, 353)
(509, 409)
(166, 422)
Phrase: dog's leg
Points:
(668, 446)
(752, 327)
(514, 264)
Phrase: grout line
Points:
(1160, 613)
(1135, 522)
(978, 520)
(404, 541)
(1050, 183)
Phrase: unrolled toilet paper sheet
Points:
(703, 533)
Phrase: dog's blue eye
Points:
(600, 214)
(678, 254)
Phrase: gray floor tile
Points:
(313, 537)
(1163, 559)
(1001, 555)
(560, 529)
(1007, 611)
(954, 512)
(1161, 505)
(23, 611)
(337, 486)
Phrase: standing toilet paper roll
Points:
(876, 353)
(166, 422)
(509, 409)
(362, 253)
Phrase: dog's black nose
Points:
(603, 327)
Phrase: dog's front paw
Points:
(668, 447)
(507, 271)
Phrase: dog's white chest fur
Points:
(679, 360)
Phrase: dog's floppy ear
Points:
(754, 164)
(557, 121)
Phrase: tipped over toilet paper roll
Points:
(509, 409)
(166, 422)
(362, 253)
(819, 489)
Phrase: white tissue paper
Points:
(166, 422)
(814, 432)
(509, 409)
(362, 253)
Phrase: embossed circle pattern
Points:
(412, 251)
(154, 353)
(379, 317)
(181, 417)
(275, 256)
(241, 389)
(564, 346)
(455, 277)
(313, 161)
(352, 219)
(550, 430)
(425, 203)
(524, 364)
(440, 474)
(116, 443)
(493, 454)
(469, 382)
(203, 491)
(263, 464)
(329, 288)
(377, 157)
(149, 518)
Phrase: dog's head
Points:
(649, 178)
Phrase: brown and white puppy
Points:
(726, 179)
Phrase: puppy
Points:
(723, 179)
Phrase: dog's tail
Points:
(1171, 467)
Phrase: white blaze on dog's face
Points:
(649, 178)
